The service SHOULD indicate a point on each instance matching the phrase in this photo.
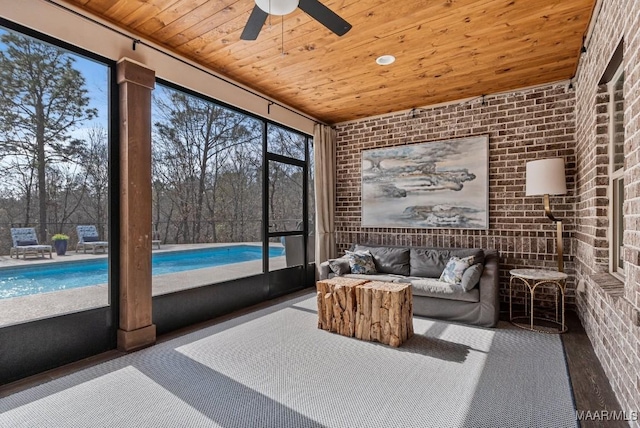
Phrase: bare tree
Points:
(239, 192)
(95, 160)
(192, 141)
(23, 185)
(65, 183)
(285, 184)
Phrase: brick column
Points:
(136, 82)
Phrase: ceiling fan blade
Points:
(256, 20)
(325, 16)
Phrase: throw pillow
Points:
(26, 243)
(90, 239)
(361, 262)
(455, 268)
(471, 276)
(339, 266)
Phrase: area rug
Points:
(275, 368)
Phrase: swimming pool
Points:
(22, 281)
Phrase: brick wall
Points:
(523, 125)
(608, 306)
(530, 124)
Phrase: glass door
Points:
(286, 254)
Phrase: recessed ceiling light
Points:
(385, 59)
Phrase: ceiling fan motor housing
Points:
(313, 8)
(277, 7)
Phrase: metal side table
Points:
(532, 278)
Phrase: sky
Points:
(96, 83)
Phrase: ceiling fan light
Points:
(277, 7)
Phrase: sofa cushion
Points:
(455, 268)
(388, 259)
(361, 262)
(339, 266)
(430, 262)
(471, 276)
(386, 277)
(430, 287)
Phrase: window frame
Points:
(269, 157)
(40, 344)
(616, 177)
(266, 157)
(113, 148)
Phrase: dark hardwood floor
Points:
(591, 388)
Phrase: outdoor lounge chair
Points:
(155, 239)
(88, 238)
(25, 242)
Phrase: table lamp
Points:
(546, 177)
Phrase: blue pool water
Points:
(43, 278)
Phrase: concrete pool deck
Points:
(44, 305)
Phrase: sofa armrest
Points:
(325, 270)
(490, 285)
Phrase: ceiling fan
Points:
(313, 8)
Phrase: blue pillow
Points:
(90, 239)
(25, 243)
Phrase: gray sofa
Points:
(474, 303)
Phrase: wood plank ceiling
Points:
(446, 50)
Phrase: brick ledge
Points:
(609, 284)
(614, 288)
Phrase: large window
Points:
(220, 210)
(54, 163)
(616, 170)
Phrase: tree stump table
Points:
(368, 310)
(384, 312)
(337, 304)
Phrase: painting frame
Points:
(441, 184)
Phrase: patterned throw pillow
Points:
(361, 262)
(455, 268)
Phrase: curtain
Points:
(324, 152)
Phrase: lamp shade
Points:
(277, 7)
(546, 177)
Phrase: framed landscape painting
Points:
(439, 184)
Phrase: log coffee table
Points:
(368, 310)
(337, 305)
